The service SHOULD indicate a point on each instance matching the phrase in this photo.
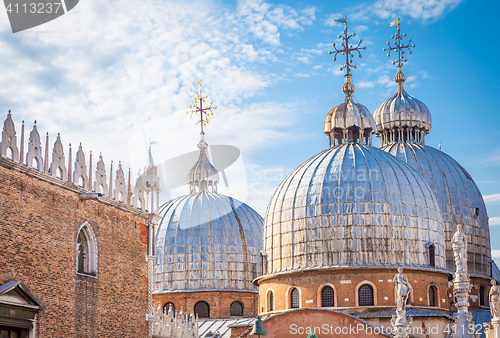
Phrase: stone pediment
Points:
(16, 293)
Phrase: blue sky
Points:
(114, 74)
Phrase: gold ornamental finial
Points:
(197, 107)
(347, 49)
(398, 45)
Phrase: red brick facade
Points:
(346, 283)
(40, 219)
(219, 301)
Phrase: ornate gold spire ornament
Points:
(197, 107)
(399, 46)
(347, 49)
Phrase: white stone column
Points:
(461, 287)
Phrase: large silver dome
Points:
(207, 241)
(349, 206)
(459, 198)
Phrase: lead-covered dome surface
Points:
(207, 241)
(349, 206)
(459, 199)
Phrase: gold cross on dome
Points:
(347, 49)
(197, 107)
(399, 46)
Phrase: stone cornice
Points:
(32, 172)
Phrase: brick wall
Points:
(345, 283)
(219, 301)
(40, 218)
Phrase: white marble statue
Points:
(402, 291)
(495, 300)
(459, 245)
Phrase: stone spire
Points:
(100, 183)
(9, 140)
(34, 150)
(349, 121)
(80, 174)
(58, 165)
(149, 183)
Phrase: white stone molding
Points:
(138, 196)
(120, 191)
(80, 169)
(100, 185)
(9, 139)
(34, 150)
(58, 165)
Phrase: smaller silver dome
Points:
(349, 121)
(203, 174)
(402, 117)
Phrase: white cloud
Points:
(491, 199)
(494, 221)
(495, 253)
(415, 9)
(335, 71)
(330, 21)
(115, 74)
(264, 19)
(365, 84)
(311, 51)
(304, 59)
(360, 29)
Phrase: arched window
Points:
(86, 251)
(365, 295)
(294, 299)
(270, 301)
(236, 309)
(169, 307)
(202, 309)
(432, 255)
(327, 296)
(482, 299)
(432, 295)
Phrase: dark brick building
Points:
(73, 262)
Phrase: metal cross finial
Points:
(398, 45)
(198, 108)
(347, 49)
